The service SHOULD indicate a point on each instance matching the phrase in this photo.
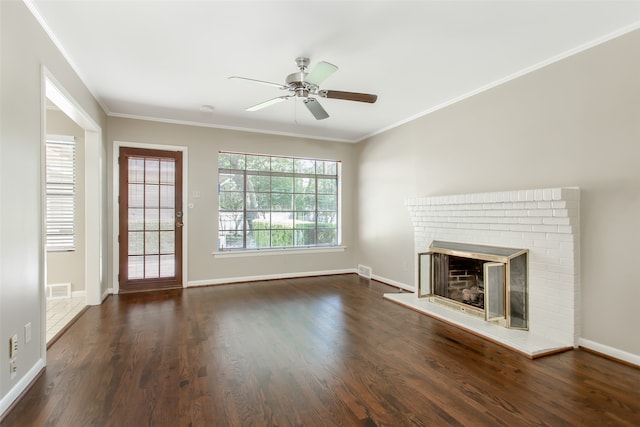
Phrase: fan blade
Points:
(262, 82)
(320, 72)
(349, 96)
(316, 109)
(268, 103)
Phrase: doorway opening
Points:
(63, 115)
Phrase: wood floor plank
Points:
(317, 351)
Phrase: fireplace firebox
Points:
(486, 281)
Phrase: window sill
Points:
(238, 253)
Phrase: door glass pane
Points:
(151, 218)
(152, 171)
(424, 285)
(494, 288)
(136, 267)
(151, 266)
(518, 293)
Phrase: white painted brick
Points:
(547, 194)
(544, 205)
(551, 244)
(540, 212)
(529, 220)
(545, 228)
(556, 221)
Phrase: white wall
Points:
(68, 266)
(203, 145)
(25, 50)
(573, 123)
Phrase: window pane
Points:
(231, 201)
(231, 221)
(306, 237)
(258, 163)
(60, 193)
(305, 185)
(305, 202)
(327, 236)
(305, 217)
(230, 239)
(261, 222)
(281, 237)
(327, 186)
(282, 184)
(305, 166)
(231, 161)
(258, 201)
(259, 183)
(282, 164)
(327, 203)
(231, 182)
(327, 218)
(281, 202)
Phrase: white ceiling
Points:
(163, 60)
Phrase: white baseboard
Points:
(208, 282)
(106, 293)
(393, 283)
(20, 387)
(615, 353)
(78, 294)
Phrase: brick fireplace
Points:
(543, 221)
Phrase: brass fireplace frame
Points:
(506, 289)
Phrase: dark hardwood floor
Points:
(320, 351)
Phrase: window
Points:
(60, 192)
(277, 202)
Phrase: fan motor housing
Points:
(296, 78)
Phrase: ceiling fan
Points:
(306, 86)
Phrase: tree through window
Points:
(277, 202)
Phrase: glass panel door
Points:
(150, 219)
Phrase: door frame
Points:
(115, 208)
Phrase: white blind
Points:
(60, 192)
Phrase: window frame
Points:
(296, 215)
(60, 217)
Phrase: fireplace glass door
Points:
(494, 290)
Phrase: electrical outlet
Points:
(13, 368)
(13, 346)
(27, 332)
